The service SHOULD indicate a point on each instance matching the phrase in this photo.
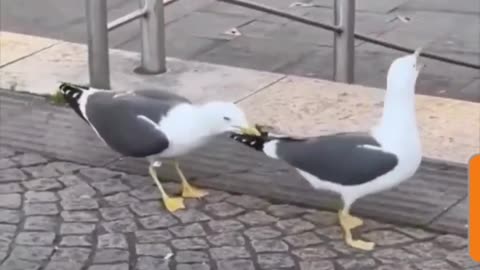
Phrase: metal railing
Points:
(151, 14)
(153, 61)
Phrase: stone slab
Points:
(15, 46)
(195, 80)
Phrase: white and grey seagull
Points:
(358, 164)
(154, 124)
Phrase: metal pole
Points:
(153, 38)
(344, 42)
(97, 32)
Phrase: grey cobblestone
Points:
(55, 218)
(29, 159)
(6, 163)
(12, 174)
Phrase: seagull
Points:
(356, 164)
(154, 124)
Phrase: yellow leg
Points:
(187, 190)
(172, 204)
(349, 222)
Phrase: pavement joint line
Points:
(261, 89)
(31, 54)
(438, 216)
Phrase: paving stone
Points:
(386, 237)
(189, 256)
(196, 266)
(248, 202)
(151, 263)
(29, 159)
(77, 228)
(148, 208)
(215, 196)
(16, 264)
(9, 216)
(317, 265)
(12, 174)
(189, 243)
(54, 265)
(427, 250)
(225, 225)
(262, 233)
(416, 233)
(153, 249)
(80, 204)
(402, 266)
(322, 218)
(110, 186)
(315, 253)
(116, 266)
(40, 223)
(10, 188)
(71, 180)
(40, 196)
(269, 245)
(41, 171)
(12, 201)
(47, 209)
(6, 152)
(66, 167)
(294, 225)
(227, 252)
(42, 184)
(223, 209)
(303, 239)
(239, 264)
(71, 254)
(99, 174)
(451, 242)
(6, 163)
(80, 216)
(191, 230)
(158, 222)
(286, 210)
(227, 239)
(461, 258)
(79, 191)
(146, 193)
(120, 226)
(257, 218)
(393, 256)
(30, 253)
(120, 199)
(191, 215)
(35, 238)
(332, 233)
(7, 228)
(153, 236)
(357, 263)
(112, 240)
(275, 260)
(111, 256)
(76, 241)
(434, 265)
(113, 213)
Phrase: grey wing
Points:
(118, 123)
(345, 159)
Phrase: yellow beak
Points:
(250, 131)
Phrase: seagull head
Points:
(403, 72)
(227, 117)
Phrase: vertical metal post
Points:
(153, 37)
(344, 42)
(97, 32)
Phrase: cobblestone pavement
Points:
(57, 215)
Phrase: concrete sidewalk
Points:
(436, 198)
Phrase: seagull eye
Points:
(227, 118)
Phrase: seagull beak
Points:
(417, 54)
(250, 131)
